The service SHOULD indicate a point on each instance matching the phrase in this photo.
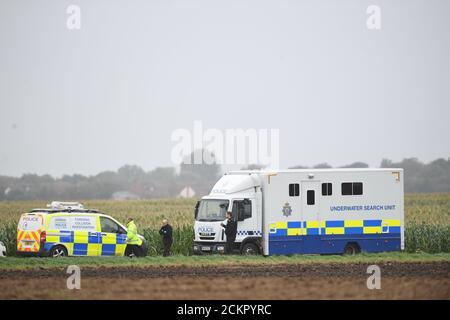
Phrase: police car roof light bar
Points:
(65, 205)
(54, 210)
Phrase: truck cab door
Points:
(243, 213)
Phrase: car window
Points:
(109, 226)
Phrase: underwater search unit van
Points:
(304, 211)
(68, 229)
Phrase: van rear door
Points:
(29, 232)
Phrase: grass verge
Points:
(15, 263)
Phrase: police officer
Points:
(166, 233)
(133, 242)
(230, 231)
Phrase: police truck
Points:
(304, 211)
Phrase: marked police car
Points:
(68, 229)
(2, 249)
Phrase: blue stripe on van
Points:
(281, 232)
(312, 231)
(108, 249)
(94, 237)
(372, 223)
(394, 229)
(66, 236)
(80, 249)
(120, 238)
(335, 224)
(354, 230)
(294, 224)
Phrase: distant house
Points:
(124, 195)
(187, 192)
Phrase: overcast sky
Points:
(113, 92)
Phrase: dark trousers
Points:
(167, 246)
(134, 249)
(229, 246)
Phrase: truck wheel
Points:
(58, 251)
(351, 249)
(250, 249)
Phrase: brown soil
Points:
(315, 281)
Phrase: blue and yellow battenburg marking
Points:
(334, 227)
(85, 243)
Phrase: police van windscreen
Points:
(212, 210)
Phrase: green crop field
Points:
(427, 221)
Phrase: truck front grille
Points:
(206, 238)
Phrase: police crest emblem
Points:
(287, 210)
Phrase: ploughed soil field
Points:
(427, 280)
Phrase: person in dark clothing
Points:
(166, 233)
(230, 232)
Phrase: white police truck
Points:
(304, 211)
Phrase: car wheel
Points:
(250, 249)
(58, 252)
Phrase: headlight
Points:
(195, 248)
(220, 248)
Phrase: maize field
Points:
(427, 218)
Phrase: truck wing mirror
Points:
(196, 209)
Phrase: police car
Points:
(2, 249)
(68, 229)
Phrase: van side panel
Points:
(72, 231)
(83, 242)
(373, 220)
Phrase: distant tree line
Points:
(129, 182)
(419, 177)
(133, 181)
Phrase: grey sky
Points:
(112, 93)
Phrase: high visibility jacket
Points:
(132, 235)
